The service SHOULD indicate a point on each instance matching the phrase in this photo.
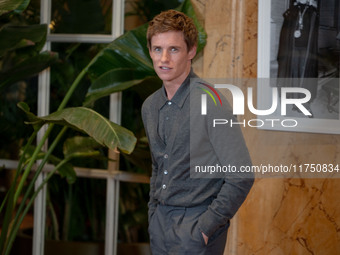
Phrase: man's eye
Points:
(157, 49)
(173, 49)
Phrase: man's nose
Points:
(165, 56)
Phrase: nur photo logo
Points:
(204, 97)
(281, 99)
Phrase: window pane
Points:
(81, 16)
(73, 58)
(75, 212)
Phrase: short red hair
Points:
(172, 20)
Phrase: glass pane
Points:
(73, 58)
(81, 16)
(133, 213)
(75, 212)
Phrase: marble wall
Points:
(280, 216)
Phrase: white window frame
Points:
(112, 175)
(112, 199)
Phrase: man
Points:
(187, 215)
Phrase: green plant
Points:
(21, 41)
(81, 118)
(145, 10)
(125, 62)
(122, 64)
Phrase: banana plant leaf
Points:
(27, 68)
(16, 37)
(90, 122)
(20, 54)
(119, 79)
(80, 144)
(108, 69)
(13, 5)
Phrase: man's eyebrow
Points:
(171, 46)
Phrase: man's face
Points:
(170, 57)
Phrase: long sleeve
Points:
(230, 149)
(152, 201)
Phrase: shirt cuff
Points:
(209, 222)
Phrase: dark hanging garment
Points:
(298, 48)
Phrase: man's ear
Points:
(192, 52)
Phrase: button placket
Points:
(165, 171)
(165, 175)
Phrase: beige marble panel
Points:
(280, 216)
(197, 64)
(290, 216)
(224, 26)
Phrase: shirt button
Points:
(164, 186)
(166, 156)
(169, 103)
(165, 171)
(166, 118)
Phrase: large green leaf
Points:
(90, 122)
(13, 5)
(114, 81)
(79, 144)
(20, 54)
(128, 52)
(16, 37)
(83, 147)
(27, 68)
(31, 117)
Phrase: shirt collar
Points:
(181, 94)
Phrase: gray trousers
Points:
(174, 231)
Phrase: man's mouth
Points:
(165, 68)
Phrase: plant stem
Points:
(18, 220)
(8, 235)
(31, 163)
(29, 142)
(53, 216)
(67, 214)
(46, 135)
(72, 88)
(9, 200)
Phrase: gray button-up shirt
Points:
(167, 125)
